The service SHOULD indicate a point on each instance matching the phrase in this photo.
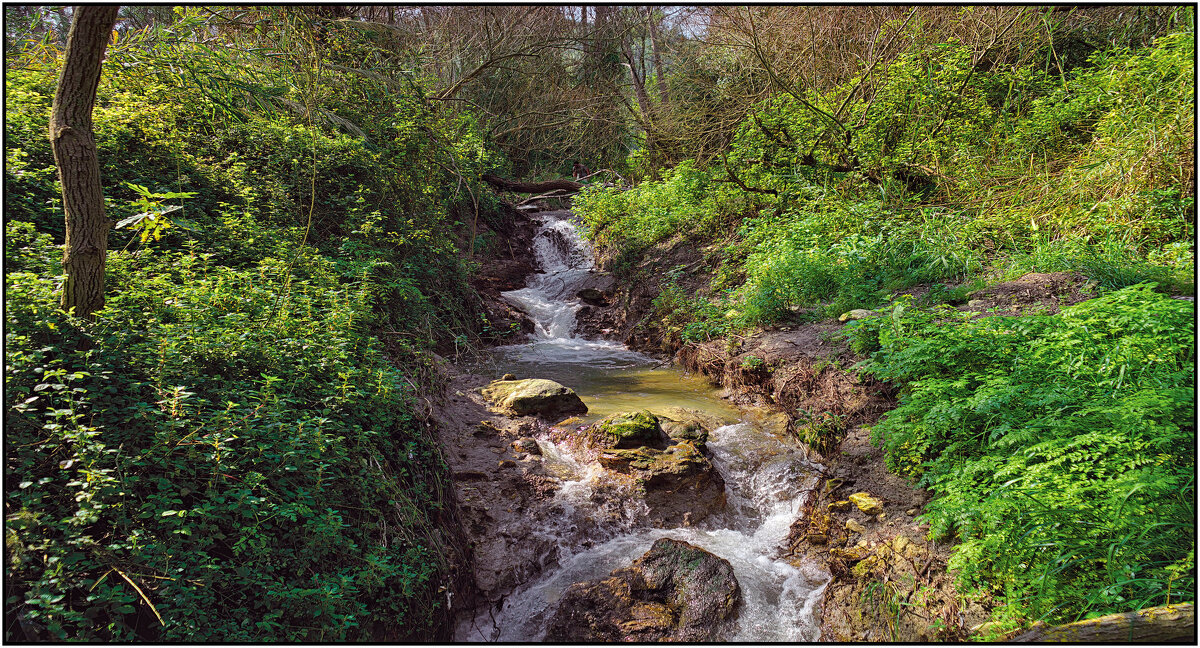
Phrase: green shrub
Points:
(226, 453)
(1061, 448)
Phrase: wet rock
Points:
(674, 592)
(687, 424)
(856, 314)
(629, 430)
(533, 397)
(867, 504)
(527, 445)
(678, 481)
(592, 297)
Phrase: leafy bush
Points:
(219, 455)
(226, 453)
(1061, 448)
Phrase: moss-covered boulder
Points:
(629, 430)
(533, 397)
(675, 592)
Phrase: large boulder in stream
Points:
(687, 424)
(674, 592)
(680, 484)
(533, 397)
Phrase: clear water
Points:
(766, 477)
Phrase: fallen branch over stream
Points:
(547, 186)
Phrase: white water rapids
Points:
(766, 478)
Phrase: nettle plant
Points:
(151, 221)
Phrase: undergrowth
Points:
(226, 453)
(1061, 447)
(1026, 173)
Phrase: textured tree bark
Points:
(75, 155)
(531, 187)
(1166, 624)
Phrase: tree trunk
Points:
(75, 155)
(530, 187)
(1166, 624)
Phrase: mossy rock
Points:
(627, 460)
(630, 430)
(533, 397)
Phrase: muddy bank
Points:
(500, 490)
(505, 263)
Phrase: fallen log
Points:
(1165, 624)
(532, 187)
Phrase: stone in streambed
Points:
(592, 297)
(687, 424)
(533, 397)
(674, 592)
(679, 483)
(629, 430)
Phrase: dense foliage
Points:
(1107, 196)
(236, 448)
(227, 453)
(1061, 447)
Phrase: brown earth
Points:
(499, 490)
(505, 265)
(1033, 294)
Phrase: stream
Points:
(766, 477)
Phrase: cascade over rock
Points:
(711, 496)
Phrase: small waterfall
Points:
(566, 261)
(600, 528)
(550, 301)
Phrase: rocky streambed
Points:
(608, 497)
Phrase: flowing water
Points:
(766, 477)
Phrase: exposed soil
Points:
(505, 265)
(1033, 294)
(500, 490)
(629, 296)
